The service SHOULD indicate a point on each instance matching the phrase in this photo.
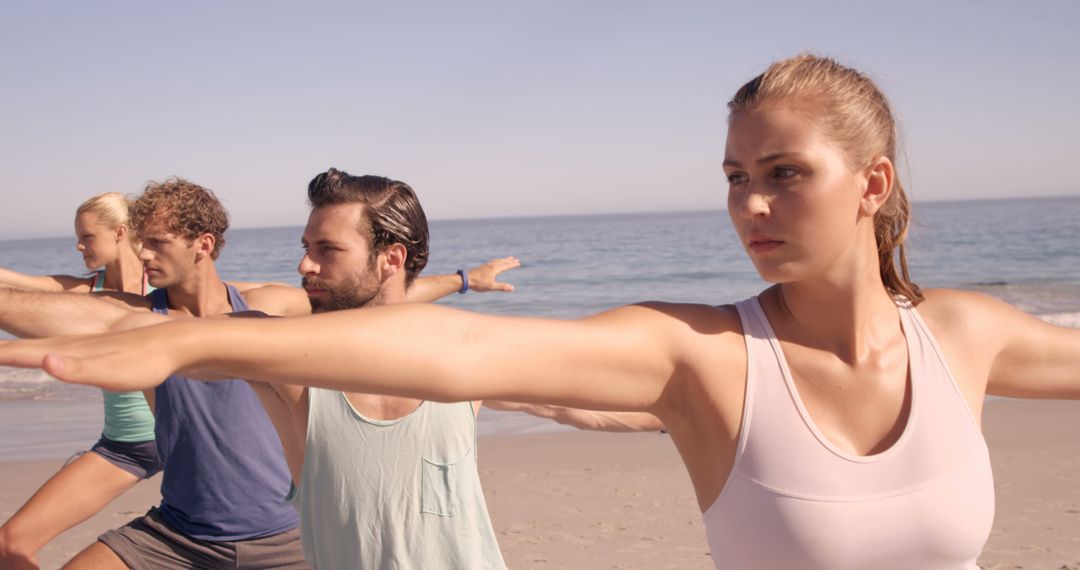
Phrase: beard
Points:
(349, 293)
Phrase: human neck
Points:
(201, 293)
(851, 318)
(125, 273)
(378, 406)
(390, 295)
(391, 292)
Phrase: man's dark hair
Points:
(392, 212)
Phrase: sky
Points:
(498, 109)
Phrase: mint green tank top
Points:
(127, 415)
(393, 494)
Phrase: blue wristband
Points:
(464, 281)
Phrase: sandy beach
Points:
(586, 500)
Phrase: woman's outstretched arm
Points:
(1036, 359)
(624, 359)
(584, 419)
(1020, 356)
(56, 283)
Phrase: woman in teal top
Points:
(126, 452)
(127, 416)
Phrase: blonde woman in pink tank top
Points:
(832, 422)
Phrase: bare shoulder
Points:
(244, 286)
(707, 339)
(967, 314)
(958, 300)
(69, 283)
(676, 323)
(129, 301)
(695, 318)
(277, 299)
(972, 329)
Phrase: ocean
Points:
(1025, 251)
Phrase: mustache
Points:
(308, 282)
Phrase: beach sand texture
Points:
(586, 500)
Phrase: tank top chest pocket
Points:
(442, 484)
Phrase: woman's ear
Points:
(879, 184)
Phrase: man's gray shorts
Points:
(149, 543)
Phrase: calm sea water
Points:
(1024, 251)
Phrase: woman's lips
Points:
(762, 246)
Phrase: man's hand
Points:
(483, 278)
(121, 361)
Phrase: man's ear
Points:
(204, 247)
(392, 260)
(880, 177)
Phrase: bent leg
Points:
(282, 551)
(149, 543)
(97, 556)
(78, 491)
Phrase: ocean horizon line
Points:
(586, 215)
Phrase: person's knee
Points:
(5, 540)
(9, 540)
(97, 556)
(15, 552)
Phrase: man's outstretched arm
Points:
(16, 280)
(482, 279)
(34, 314)
(286, 301)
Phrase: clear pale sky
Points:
(493, 109)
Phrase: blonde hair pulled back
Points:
(112, 209)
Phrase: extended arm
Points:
(584, 419)
(624, 359)
(245, 286)
(286, 301)
(482, 279)
(1034, 359)
(16, 280)
(995, 348)
(32, 314)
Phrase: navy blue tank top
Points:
(225, 476)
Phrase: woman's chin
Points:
(771, 273)
(775, 275)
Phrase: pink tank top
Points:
(794, 500)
